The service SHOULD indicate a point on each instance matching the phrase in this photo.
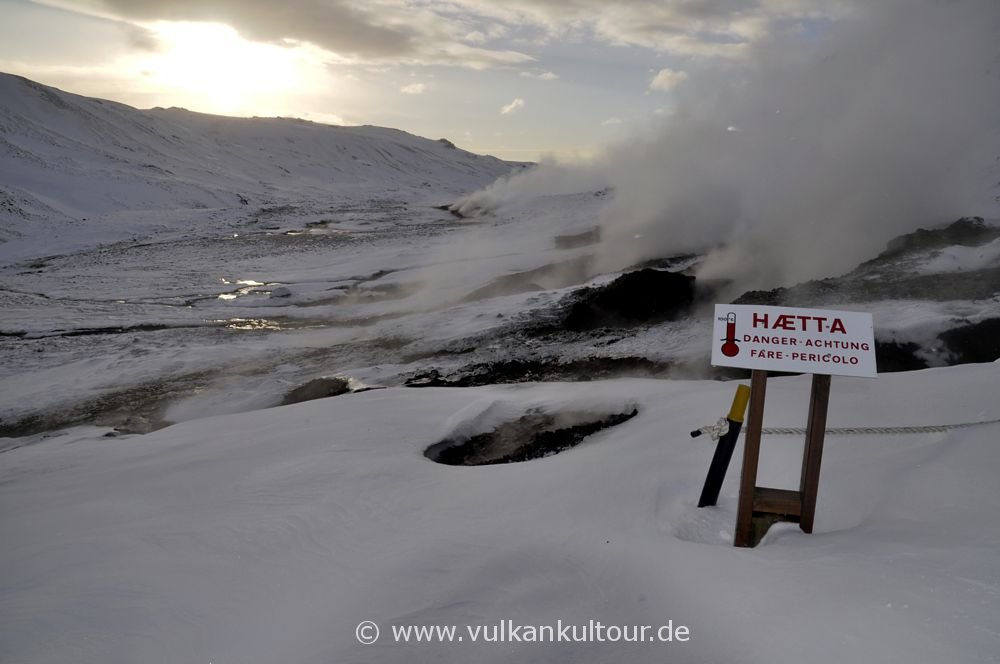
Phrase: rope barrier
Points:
(855, 431)
(719, 429)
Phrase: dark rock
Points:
(967, 231)
(895, 273)
(319, 388)
(978, 342)
(452, 208)
(804, 294)
(892, 356)
(644, 296)
(829, 293)
(667, 262)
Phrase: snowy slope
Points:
(71, 162)
(268, 536)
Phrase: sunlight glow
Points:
(214, 70)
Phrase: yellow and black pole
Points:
(724, 449)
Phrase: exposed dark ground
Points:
(580, 336)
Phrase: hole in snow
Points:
(533, 436)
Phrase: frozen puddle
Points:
(532, 436)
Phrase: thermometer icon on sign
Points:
(730, 348)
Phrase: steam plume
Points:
(806, 159)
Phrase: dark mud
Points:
(533, 436)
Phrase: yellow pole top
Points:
(739, 403)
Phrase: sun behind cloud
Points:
(215, 70)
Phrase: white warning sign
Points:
(815, 341)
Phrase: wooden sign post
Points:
(811, 341)
(769, 505)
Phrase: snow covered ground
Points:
(166, 268)
(269, 536)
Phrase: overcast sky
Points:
(515, 78)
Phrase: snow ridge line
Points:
(848, 431)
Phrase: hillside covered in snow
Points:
(75, 169)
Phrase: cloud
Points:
(390, 32)
(708, 28)
(453, 32)
(139, 38)
(342, 27)
(467, 56)
(667, 79)
(610, 122)
(475, 37)
(513, 106)
(413, 89)
(544, 76)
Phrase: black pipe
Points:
(724, 449)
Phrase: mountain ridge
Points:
(70, 158)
